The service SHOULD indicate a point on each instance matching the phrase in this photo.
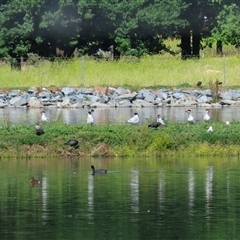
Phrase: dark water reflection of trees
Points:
(168, 198)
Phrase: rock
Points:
(65, 103)
(141, 103)
(202, 99)
(3, 95)
(157, 101)
(235, 95)
(167, 101)
(112, 97)
(3, 104)
(86, 91)
(80, 96)
(45, 99)
(104, 99)
(186, 92)
(112, 103)
(58, 95)
(93, 98)
(34, 103)
(45, 94)
(86, 103)
(207, 92)
(124, 103)
(68, 91)
(56, 99)
(128, 96)
(14, 93)
(162, 94)
(111, 90)
(77, 105)
(178, 95)
(45, 90)
(146, 95)
(146, 103)
(32, 90)
(227, 102)
(18, 101)
(226, 95)
(121, 91)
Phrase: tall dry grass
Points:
(150, 71)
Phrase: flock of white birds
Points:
(206, 118)
(135, 120)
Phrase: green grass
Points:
(121, 140)
(149, 72)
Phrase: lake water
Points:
(193, 198)
(114, 115)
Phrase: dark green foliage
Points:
(134, 28)
(227, 29)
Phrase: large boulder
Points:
(18, 101)
(68, 91)
(34, 103)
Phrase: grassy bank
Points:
(150, 71)
(120, 140)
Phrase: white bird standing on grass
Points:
(206, 116)
(134, 119)
(210, 129)
(44, 118)
(90, 119)
(190, 118)
(159, 120)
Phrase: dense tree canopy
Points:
(227, 29)
(50, 27)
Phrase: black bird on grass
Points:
(98, 171)
(158, 123)
(39, 129)
(154, 125)
(72, 143)
(199, 83)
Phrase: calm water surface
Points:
(114, 115)
(136, 199)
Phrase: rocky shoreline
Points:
(110, 97)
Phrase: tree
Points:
(39, 27)
(133, 27)
(141, 26)
(227, 30)
(57, 26)
(159, 20)
(200, 16)
(16, 29)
